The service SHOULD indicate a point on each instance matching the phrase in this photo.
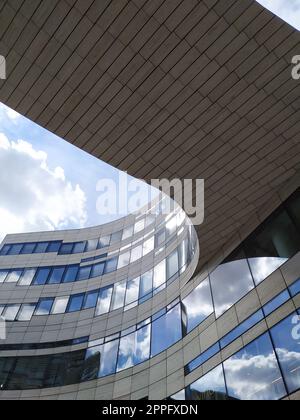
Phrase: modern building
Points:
(149, 306)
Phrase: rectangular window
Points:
(66, 249)
(91, 300)
(146, 285)
(172, 265)
(44, 307)
(27, 277)
(15, 249)
(5, 250)
(41, 276)
(197, 306)
(136, 253)
(54, 246)
(14, 276)
(1, 309)
(160, 238)
(104, 242)
(132, 292)
(98, 270)
(111, 265)
(79, 247)
(28, 249)
(294, 288)
(75, 303)
(56, 275)
(119, 295)
(203, 358)
(71, 274)
(148, 246)
(41, 247)
(209, 387)
(84, 273)
(159, 277)
(10, 312)
(91, 245)
(166, 331)
(139, 226)
(124, 260)
(171, 226)
(26, 312)
(3, 275)
(104, 301)
(134, 348)
(276, 303)
(116, 237)
(60, 305)
(127, 233)
(253, 373)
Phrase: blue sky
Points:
(46, 183)
(288, 10)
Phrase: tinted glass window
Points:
(91, 300)
(127, 233)
(132, 292)
(286, 336)
(104, 241)
(262, 267)
(15, 249)
(91, 245)
(3, 275)
(27, 277)
(5, 250)
(136, 253)
(44, 307)
(148, 246)
(60, 305)
(230, 282)
(108, 363)
(146, 284)
(79, 247)
(276, 303)
(10, 312)
(14, 276)
(294, 288)
(84, 273)
(253, 373)
(66, 249)
(166, 331)
(71, 274)
(116, 237)
(197, 306)
(28, 248)
(75, 303)
(26, 312)
(119, 295)
(210, 387)
(159, 276)
(124, 260)
(41, 248)
(98, 270)
(134, 348)
(160, 238)
(56, 275)
(111, 265)
(41, 276)
(104, 300)
(54, 246)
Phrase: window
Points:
(54, 246)
(108, 362)
(172, 265)
(98, 270)
(44, 307)
(183, 251)
(253, 373)
(84, 273)
(56, 275)
(136, 253)
(119, 295)
(3, 275)
(79, 247)
(160, 238)
(166, 331)
(123, 260)
(116, 237)
(2, 307)
(262, 267)
(132, 292)
(26, 312)
(15, 249)
(203, 358)
(111, 265)
(139, 226)
(104, 300)
(171, 226)
(71, 274)
(127, 232)
(230, 282)
(14, 276)
(134, 348)
(10, 312)
(91, 300)
(66, 249)
(5, 250)
(41, 276)
(60, 305)
(28, 249)
(146, 284)
(159, 277)
(285, 338)
(75, 303)
(148, 246)
(41, 247)
(27, 277)
(92, 245)
(294, 288)
(197, 306)
(210, 387)
(276, 302)
(104, 242)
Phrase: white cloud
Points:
(8, 113)
(288, 10)
(34, 197)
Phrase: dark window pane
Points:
(160, 238)
(15, 249)
(56, 275)
(210, 387)
(253, 373)
(41, 276)
(44, 307)
(166, 331)
(172, 264)
(75, 303)
(286, 337)
(84, 273)
(71, 274)
(111, 265)
(54, 246)
(28, 248)
(91, 300)
(41, 248)
(204, 357)
(116, 237)
(262, 267)
(3, 275)
(98, 270)
(66, 249)
(276, 303)
(26, 312)
(5, 250)
(109, 356)
(294, 288)
(10, 312)
(197, 306)
(79, 247)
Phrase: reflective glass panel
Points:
(84, 273)
(14, 276)
(230, 282)
(54, 246)
(98, 270)
(180, 396)
(116, 237)
(119, 295)
(197, 306)
(92, 245)
(44, 307)
(294, 288)
(60, 305)
(3, 275)
(286, 339)
(75, 303)
(79, 247)
(66, 249)
(253, 373)
(27, 277)
(146, 284)
(26, 312)
(28, 248)
(10, 312)
(104, 300)
(124, 260)
(15, 249)
(108, 362)
(134, 348)
(5, 250)
(127, 233)
(139, 226)
(172, 264)
(56, 275)
(276, 302)
(104, 241)
(111, 265)
(264, 266)
(41, 248)
(159, 276)
(210, 387)
(91, 300)
(166, 331)
(71, 274)
(41, 276)
(132, 292)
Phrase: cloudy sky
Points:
(289, 10)
(46, 183)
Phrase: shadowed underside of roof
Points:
(164, 89)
